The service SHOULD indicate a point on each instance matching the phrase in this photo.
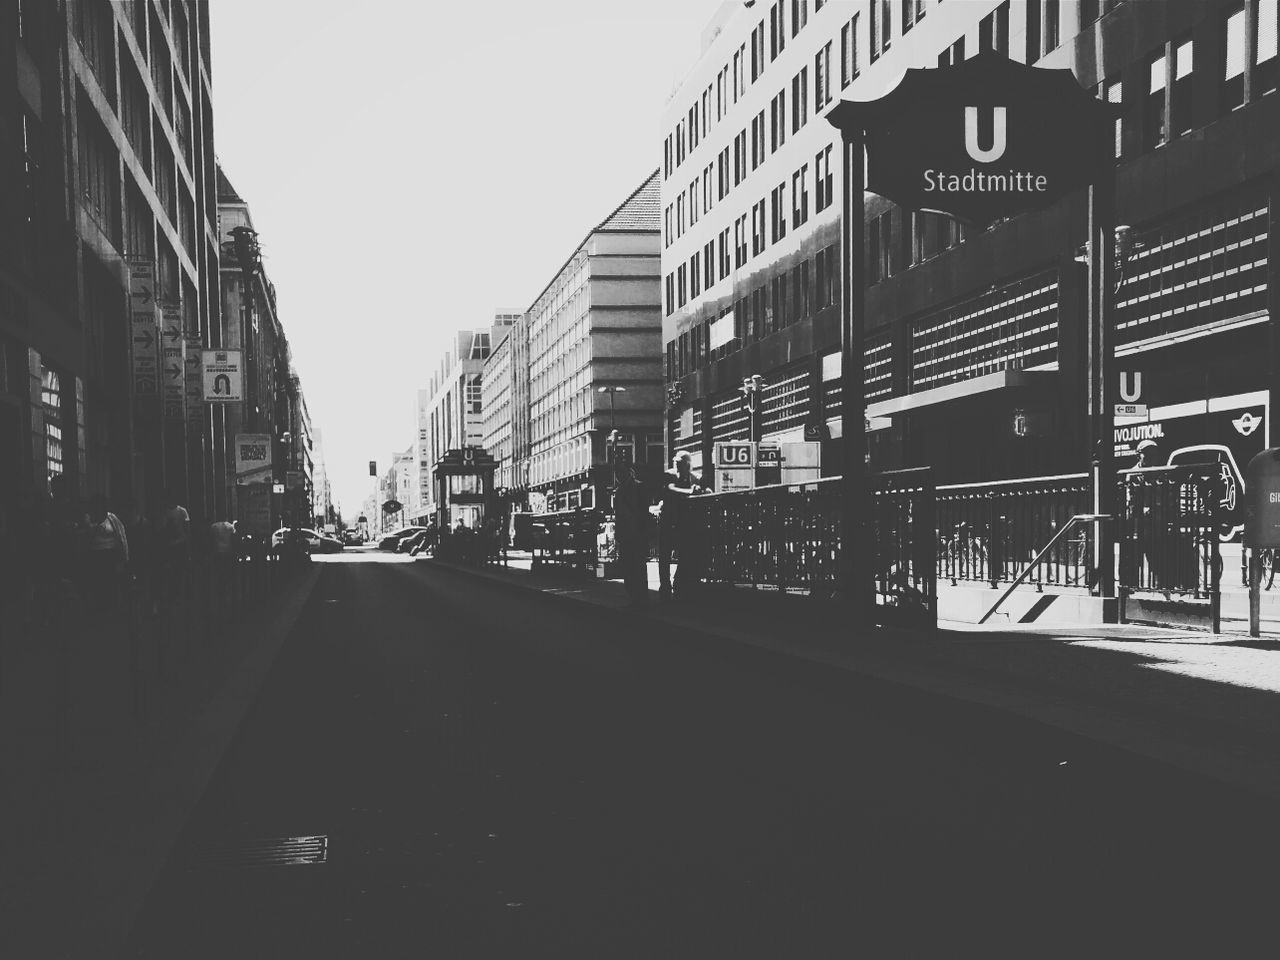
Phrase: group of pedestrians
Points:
(677, 536)
(66, 553)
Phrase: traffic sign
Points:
(222, 376)
(1131, 410)
(193, 386)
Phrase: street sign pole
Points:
(855, 572)
(1102, 394)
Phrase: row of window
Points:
(722, 255)
(785, 17)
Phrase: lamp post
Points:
(612, 443)
(750, 390)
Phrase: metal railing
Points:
(1079, 519)
(1170, 536)
(786, 538)
(991, 532)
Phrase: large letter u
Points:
(997, 135)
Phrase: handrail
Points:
(1085, 517)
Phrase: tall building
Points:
(449, 409)
(272, 401)
(597, 324)
(496, 386)
(975, 357)
(109, 132)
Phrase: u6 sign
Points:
(735, 465)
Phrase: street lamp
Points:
(750, 390)
(612, 443)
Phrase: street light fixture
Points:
(611, 444)
(750, 390)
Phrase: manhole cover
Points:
(273, 852)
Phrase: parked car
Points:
(326, 544)
(392, 540)
(352, 538)
(313, 541)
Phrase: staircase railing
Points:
(1078, 518)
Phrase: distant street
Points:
(500, 774)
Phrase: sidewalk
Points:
(1208, 704)
(103, 763)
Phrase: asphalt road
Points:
(500, 774)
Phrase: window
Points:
(666, 226)
(722, 167)
(680, 214)
(51, 400)
(693, 202)
(822, 180)
(993, 31)
(1052, 35)
(725, 254)
(912, 13)
(671, 293)
(94, 28)
(777, 29)
(681, 286)
(757, 51)
(709, 264)
(880, 25)
(757, 229)
(1265, 48)
(1089, 12)
(778, 121)
(929, 235)
(778, 208)
(739, 78)
(1180, 92)
(135, 111)
(99, 168)
(1153, 119)
(1113, 93)
(878, 262)
(182, 40)
(757, 140)
(800, 197)
(1034, 31)
(849, 52)
(161, 67)
(800, 291)
(799, 15)
(799, 99)
(740, 155)
(666, 158)
(182, 126)
(695, 278)
(708, 186)
(740, 241)
(822, 79)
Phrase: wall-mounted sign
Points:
(144, 336)
(222, 376)
(735, 465)
(253, 457)
(173, 374)
(194, 386)
(983, 139)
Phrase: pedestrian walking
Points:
(104, 558)
(173, 546)
(224, 551)
(631, 514)
(679, 484)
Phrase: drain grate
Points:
(273, 852)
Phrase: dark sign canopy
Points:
(984, 139)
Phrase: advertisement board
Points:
(253, 457)
(1228, 431)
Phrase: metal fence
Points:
(1170, 536)
(787, 539)
(990, 532)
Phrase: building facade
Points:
(975, 358)
(449, 409)
(597, 324)
(272, 402)
(108, 127)
(495, 406)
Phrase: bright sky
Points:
(412, 166)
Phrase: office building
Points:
(975, 356)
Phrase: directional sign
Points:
(253, 457)
(1131, 410)
(193, 386)
(172, 361)
(143, 335)
(735, 462)
(222, 376)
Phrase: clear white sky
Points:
(411, 166)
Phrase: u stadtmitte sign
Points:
(984, 139)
